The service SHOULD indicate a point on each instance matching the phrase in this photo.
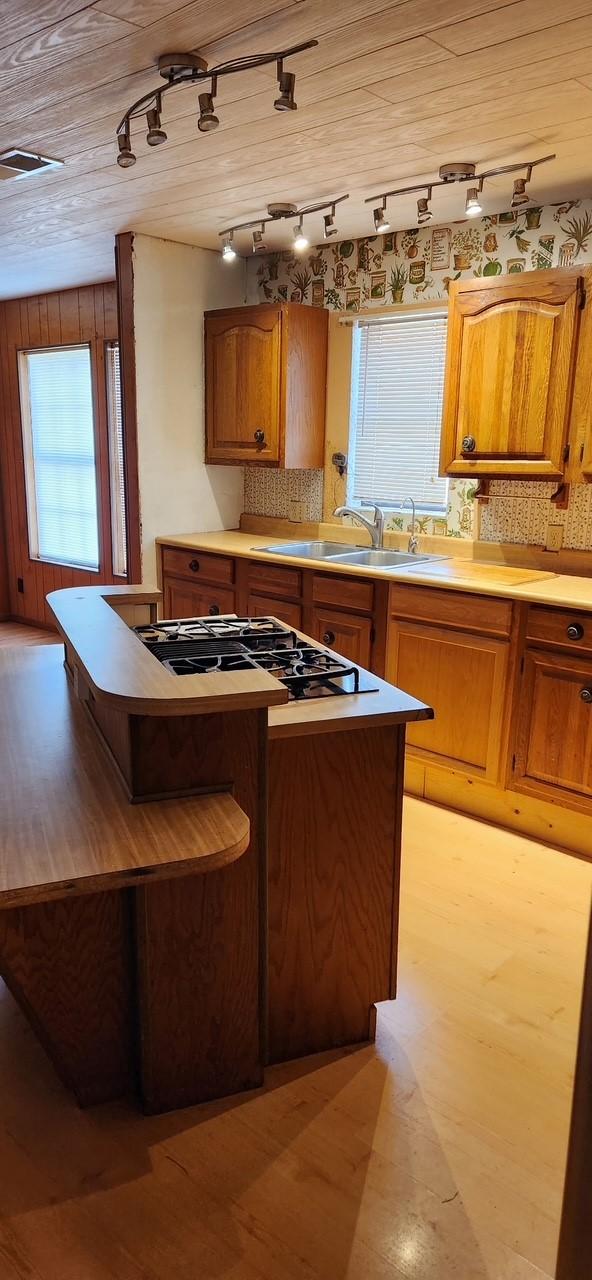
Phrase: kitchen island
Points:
(167, 928)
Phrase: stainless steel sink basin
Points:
(308, 550)
(382, 559)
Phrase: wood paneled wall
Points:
(75, 315)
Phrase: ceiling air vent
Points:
(22, 164)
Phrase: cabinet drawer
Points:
(483, 614)
(275, 580)
(194, 564)
(285, 610)
(344, 592)
(561, 628)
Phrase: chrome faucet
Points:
(375, 527)
(413, 544)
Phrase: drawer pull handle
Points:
(214, 609)
(329, 637)
(575, 631)
(469, 444)
(259, 437)
(194, 566)
(586, 695)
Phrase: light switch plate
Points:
(296, 510)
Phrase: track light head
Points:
(329, 228)
(155, 136)
(258, 245)
(228, 252)
(208, 120)
(300, 240)
(285, 101)
(125, 157)
(520, 194)
(424, 213)
(473, 203)
(381, 221)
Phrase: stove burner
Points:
(196, 646)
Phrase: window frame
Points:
(109, 346)
(374, 315)
(29, 459)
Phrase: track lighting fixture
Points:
(208, 120)
(191, 69)
(458, 171)
(155, 135)
(228, 252)
(287, 82)
(276, 213)
(329, 224)
(381, 221)
(520, 194)
(424, 213)
(472, 203)
(125, 157)
(300, 240)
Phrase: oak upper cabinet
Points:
(512, 363)
(266, 369)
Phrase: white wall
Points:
(173, 285)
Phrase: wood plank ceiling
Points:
(390, 92)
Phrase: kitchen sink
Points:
(382, 559)
(308, 550)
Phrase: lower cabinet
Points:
(195, 599)
(285, 610)
(349, 635)
(554, 744)
(463, 677)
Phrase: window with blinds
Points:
(116, 460)
(397, 384)
(59, 448)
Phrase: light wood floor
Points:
(435, 1155)
(12, 633)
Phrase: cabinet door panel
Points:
(243, 385)
(462, 677)
(555, 736)
(347, 634)
(264, 606)
(185, 600)
(509, 379)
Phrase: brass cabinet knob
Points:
(329, 637)
(469, 444)
(586, 695)
(575, 631)
(194, 566)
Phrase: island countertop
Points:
(104, 653)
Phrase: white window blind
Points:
(397, 383)
(116, 460)
(59, 445)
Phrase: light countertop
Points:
(533, 585)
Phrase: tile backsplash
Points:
(417, 265)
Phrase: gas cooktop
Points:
(194, 646)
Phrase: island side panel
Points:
(201, 940)
(68, 965)
(334, 861)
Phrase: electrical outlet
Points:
(554, 537)
(296, 510)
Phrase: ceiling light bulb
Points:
(208, 120)
(330, 228)
(380, 219)
(520, 194)
(287, 82)
(424, 212)
(126, 157)
(473, 204)
(300, 240)
(228, 252)
(155, 135)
